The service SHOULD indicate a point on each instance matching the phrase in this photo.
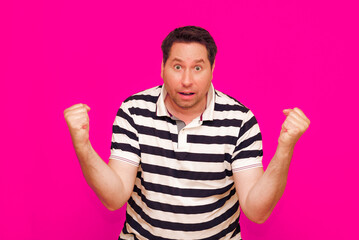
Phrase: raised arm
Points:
(112, 183)
(260, 191)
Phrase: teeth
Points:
(187, 93)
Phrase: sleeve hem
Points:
(124, 160)
(238, 169)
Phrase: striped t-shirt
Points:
(184, 187)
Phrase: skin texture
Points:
(188, 71)
(260, 191)
(112, 183)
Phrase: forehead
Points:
(188, 51)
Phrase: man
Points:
(185, 156)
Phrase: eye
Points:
(197, 68)
(178, 67)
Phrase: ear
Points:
(214, 64)
(162, 68)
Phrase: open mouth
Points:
(186, 94)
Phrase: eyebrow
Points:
(199, 60)
(180, 60)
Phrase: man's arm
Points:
(112, 183)
(260, 191)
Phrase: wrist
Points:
(82, 149)
(285, 150)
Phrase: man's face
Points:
(187, 76)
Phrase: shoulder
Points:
(225, 103)
(148, 95)
(142, 103)
(143, 99)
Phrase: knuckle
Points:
(297, 110)
(292, 113)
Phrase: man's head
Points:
(187, 69)
(189, 34)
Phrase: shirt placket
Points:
(183, 132)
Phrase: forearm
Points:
(259, 192)
(101, 178)
(269, 188)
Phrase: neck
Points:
(185, 114)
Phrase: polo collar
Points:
(207, 115)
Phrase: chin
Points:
(189, 106)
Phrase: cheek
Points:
(205, 80)
(170, 83)
(171, 76)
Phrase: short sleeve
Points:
(248, 152)
(125, 144)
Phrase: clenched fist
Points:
(77, 120)
(295, 124)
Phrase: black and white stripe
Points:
(184, 187)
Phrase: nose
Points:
(187, 78)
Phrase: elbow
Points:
(112, 207)
(259, 220)
(258, 213)
(114, 203)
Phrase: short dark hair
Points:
(189, 34)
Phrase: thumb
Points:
(86, 126)
(87, 107)
(287, 111)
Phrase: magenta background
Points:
(272, 55)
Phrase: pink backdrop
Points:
(272, 55)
